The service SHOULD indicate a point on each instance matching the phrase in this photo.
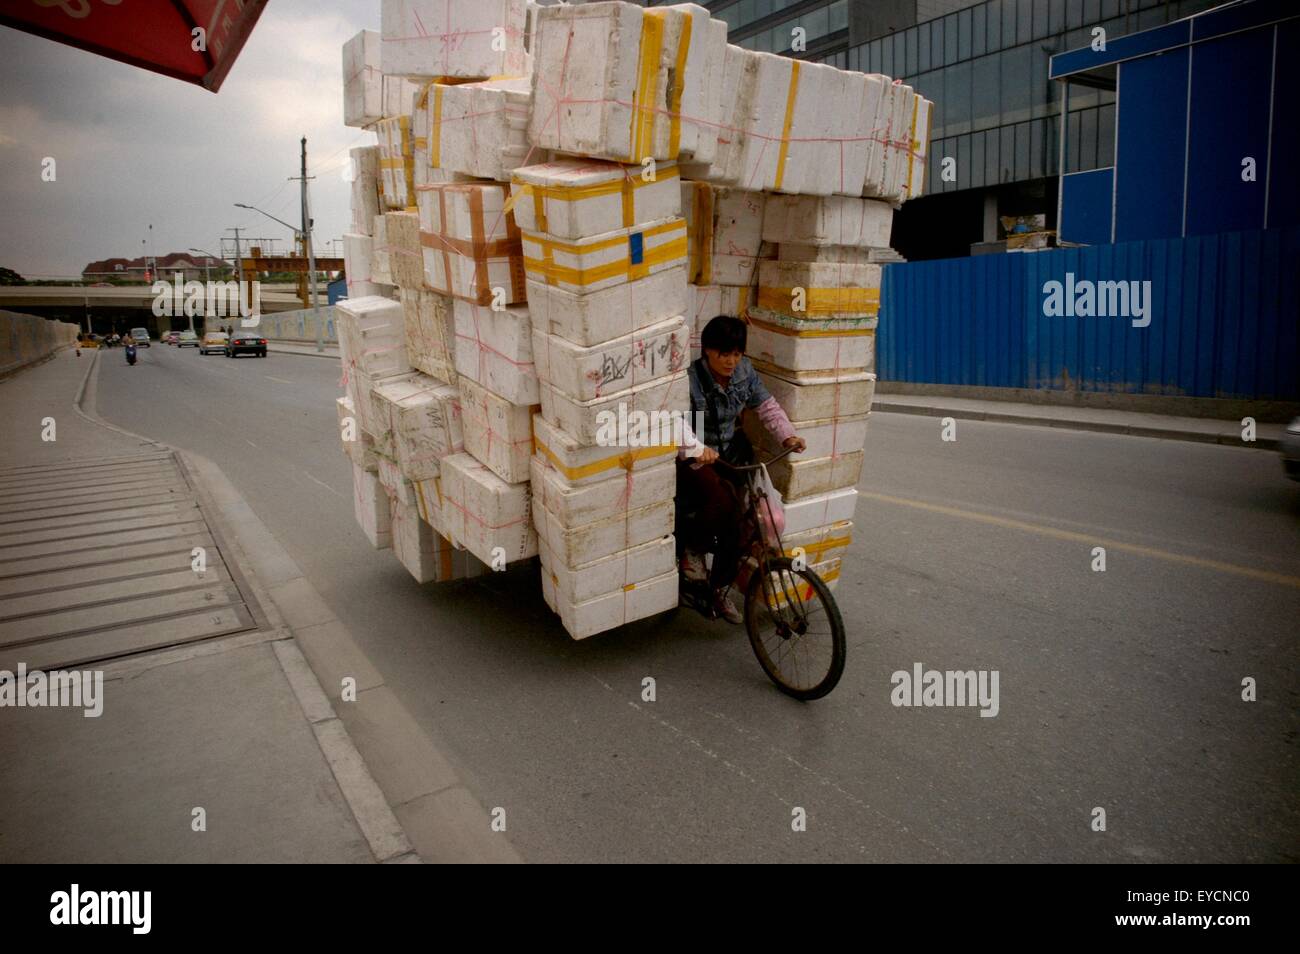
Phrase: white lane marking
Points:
(322, 483)
(251, 444)
(281, 380)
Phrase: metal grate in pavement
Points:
(96, 561)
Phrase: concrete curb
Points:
(407, 799)
(1105, 427)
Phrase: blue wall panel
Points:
(1284, 184)
(1231, 79)
(1086, 206)
(1151, 136)
(1225, 319)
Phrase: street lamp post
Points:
(304, 236)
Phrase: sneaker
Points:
(723, 606)
(693, 566)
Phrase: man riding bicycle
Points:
(723, 384)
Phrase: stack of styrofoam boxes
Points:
(811, 338)
(605, 253)
(372, 347)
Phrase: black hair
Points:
(725, 334)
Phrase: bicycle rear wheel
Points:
(795, 629)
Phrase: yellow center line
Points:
(1157, 554)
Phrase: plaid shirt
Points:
(720, 407)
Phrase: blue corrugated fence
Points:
(1223, 311)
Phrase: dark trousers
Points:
(708, 518)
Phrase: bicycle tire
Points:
(755, 603)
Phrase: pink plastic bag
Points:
(771, 511)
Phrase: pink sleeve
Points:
(774, 419)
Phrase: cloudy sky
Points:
(134, 148)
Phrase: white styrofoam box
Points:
(405, 255)
(423, 416)
(429, 503)
(589, 319)
(360, 449)
(498, 433)
(427, 555)
(364, 170)
(594, 61)
(396, 162)
(370, 504)
(589, 264)
(618, 412)
(834, 254)
(584, 464)
(819, 510)
(483, 512)
(614, 572)
(577, 504)
(826, 437)
(611, 610)
(480, 129)
(711, 301)
(796, 134)
(430, 333)
(574, 546)
(735, 98)
(830, 395)
(467, 38)
(830, 290)
(820, 544)
(803, 478)
(376, 335)
(724, 233)
(792, 347)
(471, 245)
(398, 91)
(360, 388)
(398, 487)
(572, 198)
(358, 252)
(495, 348)
(363, 89)
(887, 176)
(828, 220)
(586, 373)
(380, 273)
(920, 147)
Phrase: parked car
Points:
(140, 337)
(214, 341)
(170, 337)
(187, 339)
(241, 343)
(1289, 445)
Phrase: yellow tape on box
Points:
(588, 265)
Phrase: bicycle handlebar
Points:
(743, 467)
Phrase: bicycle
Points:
(787, 605)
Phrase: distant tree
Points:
(9, 277)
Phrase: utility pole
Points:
(311, 255)
(239, 258)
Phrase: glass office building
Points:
(985, 66)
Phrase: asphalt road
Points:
(1119, 690)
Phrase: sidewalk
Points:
(213, 745)
(1082, 419)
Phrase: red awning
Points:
(155, 35)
